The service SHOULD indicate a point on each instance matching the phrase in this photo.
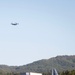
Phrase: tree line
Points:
(67, 72)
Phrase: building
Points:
(30, 73)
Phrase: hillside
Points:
(45, 65)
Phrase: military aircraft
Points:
(14, 24)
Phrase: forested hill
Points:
(45, 65)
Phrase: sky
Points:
(46, 29)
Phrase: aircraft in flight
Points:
(14, 24)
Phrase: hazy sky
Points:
(46, 29)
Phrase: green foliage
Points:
(61, 63)
(72, 72)
(48, 73)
